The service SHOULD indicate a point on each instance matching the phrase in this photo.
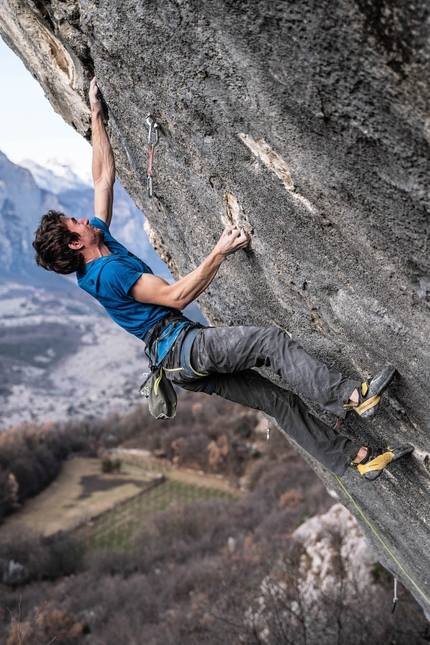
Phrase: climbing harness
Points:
(153, 141)
(156, 387)
(395, 598)
(384, 544)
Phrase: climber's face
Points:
(88, 235)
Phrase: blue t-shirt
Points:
(109, 280)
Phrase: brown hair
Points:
(51, 243)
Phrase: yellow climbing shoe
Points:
(370, 391)
(376, 460)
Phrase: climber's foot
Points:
(367, 395)
(377, 459)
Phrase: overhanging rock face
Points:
(307, 123)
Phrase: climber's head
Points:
(60, 240)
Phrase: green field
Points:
(106, 510)
(117, 528)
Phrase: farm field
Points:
(118, 528)
(106, 510)
(80, 491)
(143, 461)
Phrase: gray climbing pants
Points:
(227, 355)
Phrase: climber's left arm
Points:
(103, 166)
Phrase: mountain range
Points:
(29, 190)
(61, 356)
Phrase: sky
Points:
(29, 127)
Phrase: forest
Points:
(216, 571)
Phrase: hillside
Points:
(308, 123)
(232, 552)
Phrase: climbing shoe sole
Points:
(378, 460)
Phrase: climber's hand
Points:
(94, 95)
(232, 240)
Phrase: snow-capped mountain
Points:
(56, 177)
(21, 204)
(28, 191)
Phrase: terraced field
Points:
(117, 528)
(106, 510)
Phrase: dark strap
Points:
(156, 331)
(185, 357)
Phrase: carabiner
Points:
(152, 131)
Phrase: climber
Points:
(208, 359)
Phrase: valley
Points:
(62, 357)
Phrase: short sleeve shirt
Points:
(109, 280)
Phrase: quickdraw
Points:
(153, 141)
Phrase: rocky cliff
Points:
(307, 122)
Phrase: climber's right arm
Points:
(156, 291)
(103, 166)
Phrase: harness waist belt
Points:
(185, 358)
(160, 325)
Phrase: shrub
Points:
(39, 557)
(47, 624)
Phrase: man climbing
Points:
(214, 359)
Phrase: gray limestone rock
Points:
(306, 122)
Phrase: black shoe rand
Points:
(377, 460)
